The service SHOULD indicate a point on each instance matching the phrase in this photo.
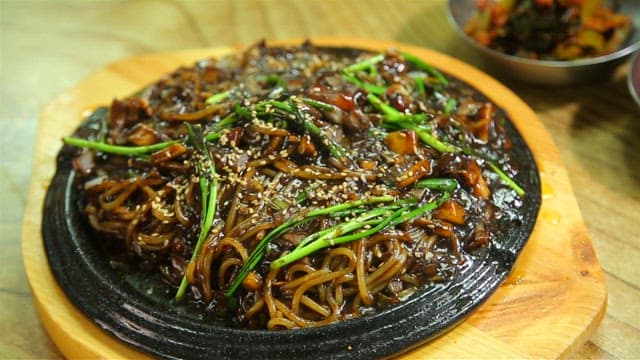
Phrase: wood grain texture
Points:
(46, 47)
(547, 308)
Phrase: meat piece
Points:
(451, 211)
(127, 112)
(417, 171)
(402, 142)
(142, 135)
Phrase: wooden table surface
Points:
(48, 46)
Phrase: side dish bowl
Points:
(550, 72)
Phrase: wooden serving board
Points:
(550, 304)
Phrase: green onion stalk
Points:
(364, 65)
(378, 218)
(216, 98)
(259, 252)
(300, 117)
(373, 221)
(442, 184)
(209, 193)
(117, 149)
(369, 221)
(392, 118)
(370, 88)
(420, 64)
(349, 74)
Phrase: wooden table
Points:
(46, 47)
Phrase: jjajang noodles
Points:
(289, 187)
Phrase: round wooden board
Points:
(550, 304)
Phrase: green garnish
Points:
(420, 64)
(412, 118)
(364, 64)
(509, 181)
(261, 249)
(420, 85)
(370, 88)
(425, 135)
(496, 169)
(279, 203)
(299, 117)
(450, 106)
(275, 80)
(362, 221)
(209, 193)
(317, 104)
(214, 99)
(117, 149)
(396, 120)
(391, 115)
(373, 221)
(307, 124)
(330, 237)
(349, 74)
(386, 109)
(302, 197)
(215, 132)
(443, 184)
(242, 112)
